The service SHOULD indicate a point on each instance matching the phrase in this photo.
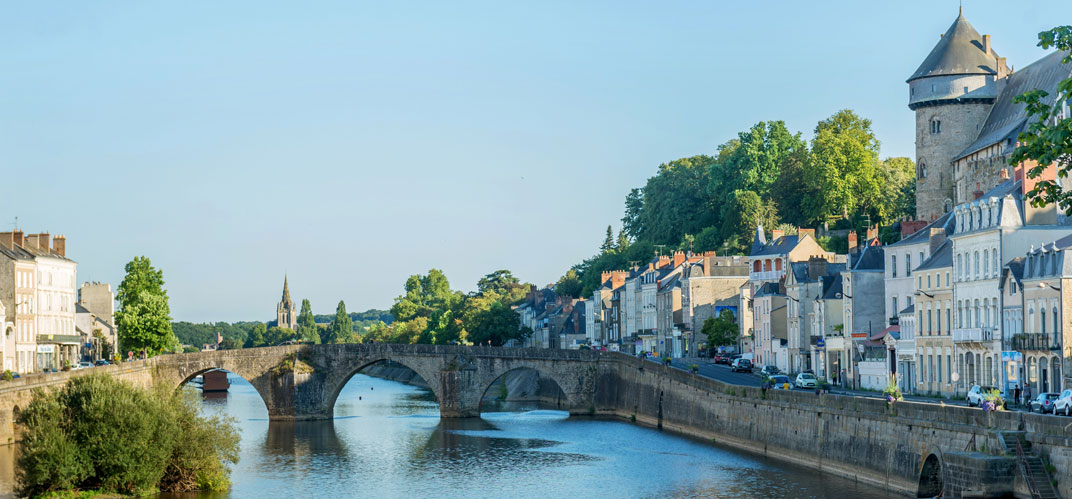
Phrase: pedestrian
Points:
(1027, 394)
(1016, 394)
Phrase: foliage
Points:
(674, 202)
(842, 167)
(608, 242)
(230, 344)
(307, 323)
(569, 285)
(97, 432)
(898, 195)
(256, 336)
(189, 333)
(710, 239)
(503, 285)
(1048, 139)
(892, 392)
(721, 330)
(993, 401)
(742, 214)
(190, 349)
(7, 375)
(494, 325)
(144, 317)
(277, 335)
(341, 329)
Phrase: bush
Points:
(104, 434)
(7, 376)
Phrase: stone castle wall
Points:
(960, 127)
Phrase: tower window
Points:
(934, 88)
(936, 126)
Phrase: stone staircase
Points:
(1032, 469)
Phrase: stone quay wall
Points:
(857, 438)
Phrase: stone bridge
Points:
(301, 382)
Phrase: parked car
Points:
(770, 370)
(1063, 404)
(976, 394)
(1043, 403)
(742, 365)
(780, 382)
(84, 364)
(101, 362)
(806, 380)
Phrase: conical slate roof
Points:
(959, 52)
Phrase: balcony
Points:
(973, 335)
(770, 275)
(1031, 341)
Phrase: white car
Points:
(84, 365)
(805, 380)
(1063, 404)
(976, 394)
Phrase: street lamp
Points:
(1043, 284)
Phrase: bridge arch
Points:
(561, 401)
(567, 385)
(931, 483)
(342, 375)
(262, 388)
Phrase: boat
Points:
(215, 381)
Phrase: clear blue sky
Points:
(351, 144)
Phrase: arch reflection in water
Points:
(523, 388)
(304, 441)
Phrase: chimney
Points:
(816, 267)
(806, 232)
(679, 258)
(1003, 69)
(709, 253)
(872, 232)
(978, 193)
(1004, 174)
(7, 239)
(937, 238)
(775, 234)
(663, 261)
(986, 44)
(59, 245)
(32, 241)
(852, 241)
(18, 238)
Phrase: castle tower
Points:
(952, 93)
(285, 314)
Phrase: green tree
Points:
(675, 201)
(424, 295)
(1048, 139)
(897, 198)
(569, 285)
(256, 337)
(710, 239)
(622, 243)
(503, 285)
(842, 167)
(307, 323)
(277, 335)
(721, 330)
(634, 204)
(144, 317)
(342, 328)
(496, 325)
(742, 215)
(230, 344)
(756, 159)
(608, 242)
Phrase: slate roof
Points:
(1005, 217)
(801, 274)
(940, 259)
(779, 246)
(768, 289)
(909, 310)
(946, 221)
(871, 259)
(1007, 119)
(958, 52)
(832, 288)
(1016, 267)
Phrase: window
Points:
(939, 368)
(960, 268)
(994, 254)
(919, 284)
(934, 88)
(948, 318)
(949, 367)
(893, 307)
(976, 264)
(947, 279)
(1042, 321)
(928, 281)
(893, 265)
(986, 264)
(1056, 324)
(908, 264)
(936, 126)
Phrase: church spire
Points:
(286, 290)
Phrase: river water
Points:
(387, 441)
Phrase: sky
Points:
(351, 144)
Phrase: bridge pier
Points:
(459, 394)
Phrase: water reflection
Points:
(304, 441)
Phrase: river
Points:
(387, 441)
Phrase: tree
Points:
(608, 242)
(424, 295)
(256, 336)
(676, 202)
(1048, 139)
(277, 335)
(230, 344)
(307, 323)
(842, 167)
(898, 196)
(623, 242)
(144, 317)
(721, 330)
(496, 325)
(569, 285)
(503, 285)
(710, 239)
(742, 215)
(342, 328)
(634, 203)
